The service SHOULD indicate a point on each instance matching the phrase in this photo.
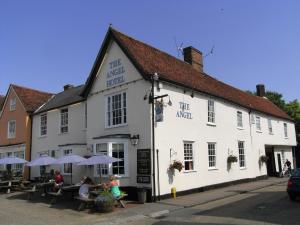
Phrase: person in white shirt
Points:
(84, 187)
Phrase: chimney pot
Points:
(68, 86)
(260, 90)
(194, 57)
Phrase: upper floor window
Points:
(11, 129)
(239, 117)
(43, 125)
(12, 104)
(64, 120)
(188, 156)
(85, 115)
(285, 130)
(211, 111)
(258, 125)
(116, 109)
(242, 158)
(270, 126)
(211, 155)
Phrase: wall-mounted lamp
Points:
(169, 102)
(134, 139)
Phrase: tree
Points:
(277, 99)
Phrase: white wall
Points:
(53, 139)
(138, 110)
(171, 133)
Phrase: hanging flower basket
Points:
(232, 159)
(176, 165)
(263, 159)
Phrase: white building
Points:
(59, 128)
(201, 123)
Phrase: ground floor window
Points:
(188, 156)
(116, 149)
(211, 155)
(67, 167)
(241, 154)
(102, 149)
(19, 167)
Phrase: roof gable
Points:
(149, 60)
(31, 99)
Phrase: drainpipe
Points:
(153, 138)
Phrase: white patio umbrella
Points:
(43, 160)
(70, 159)
(12, 160)
(97, 160)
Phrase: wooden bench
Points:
(84, 202)
(8, 187)
(120, 201)
(55, 196)
(30, 192)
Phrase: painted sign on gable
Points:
(115, 74)
(184, 111)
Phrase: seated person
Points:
(84, 187)
(59, 180)
(113, 186)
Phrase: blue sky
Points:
(46, 44)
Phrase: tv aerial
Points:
(210, 52)
(179, 48)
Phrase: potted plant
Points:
(176, 165)
(231, 159)
(263, 159)
(105, 202)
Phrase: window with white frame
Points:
(19, 167)
(12, 104)
(211, 111)
(102, 149)
(116, 109)
(118, 152)
(85, 116)
(2, 155)
(43, 125)
(11, 129)
(270, 128)
(285, 130)
(117, 149)
(258, 125)
(67, 167)
(188, 156)
(64, 120)
(239, 116)
(242, 159)
(212, 155)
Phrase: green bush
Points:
(105, 202)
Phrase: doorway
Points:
(279, 162)
(271, 169)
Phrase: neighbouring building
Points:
(148, 108)
(15, 123)
(59, 128)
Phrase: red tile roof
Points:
(149, 60)
(2, 99)
(30, 98)
(169, 68)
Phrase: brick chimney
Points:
(260, 90)
(194, 57)
(68, 86)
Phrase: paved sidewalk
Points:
(168, 205)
